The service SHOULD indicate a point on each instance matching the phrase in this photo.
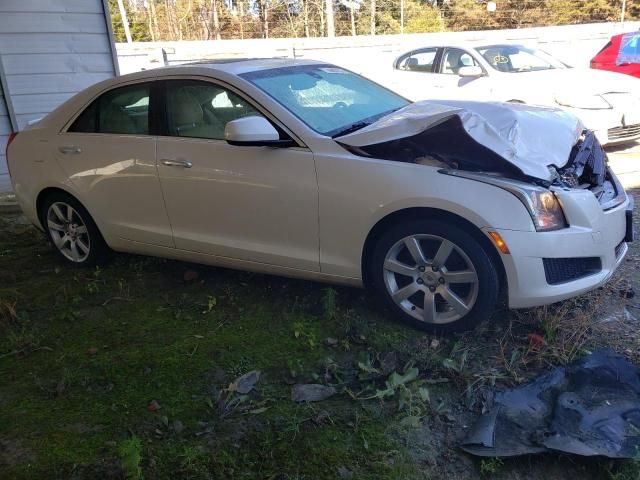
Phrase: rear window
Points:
(629, 49)
(122, 111)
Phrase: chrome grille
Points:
(628, 132)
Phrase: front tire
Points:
(71, 230)
(434, 276)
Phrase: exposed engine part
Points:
(587, 163)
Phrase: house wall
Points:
(49, 51)
(5, 129)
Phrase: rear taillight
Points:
(12, 135)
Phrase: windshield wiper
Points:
(351, 128)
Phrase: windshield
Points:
(329, 99)
(516, 58)
(629, 49)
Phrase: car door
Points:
(452, 85)
(108, 153)
(413, 74)
(254, 204)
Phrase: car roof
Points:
(219, 68)
(233, 66)
(470, 45)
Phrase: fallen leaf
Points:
(245, 383)
(389, 363)
(536, 340)
(259, 410)
(312, 392)
(322, 417)
(153, 406)
(61, 387)
(190, 276)
(177, 426)
(627, 292)
(411, 421)
(344, 472)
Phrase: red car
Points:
(621, 54)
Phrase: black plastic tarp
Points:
(590, 407)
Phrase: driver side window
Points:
(420, 61)
(454, 59)
(201, 109)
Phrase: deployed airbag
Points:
(590, 407)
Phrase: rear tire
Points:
(72, 231)
(434, 276)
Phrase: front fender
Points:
(358, 193)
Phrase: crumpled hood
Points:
(530, 138)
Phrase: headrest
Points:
(187, 109)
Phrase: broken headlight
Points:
(542, 204)
(545, 210)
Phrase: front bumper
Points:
(593, 233)
(612, 126)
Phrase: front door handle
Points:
(177, 163)
(69, 149)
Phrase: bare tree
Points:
(263, 13)
(305, 8)
(216, 19)
(125, 21)
(240, 12)
(373, 17)
(331, 29)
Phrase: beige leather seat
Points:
(188, 118)
(114, 120)
(454, 62)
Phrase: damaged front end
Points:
(529, 151)
(587, 169)
(518, 141)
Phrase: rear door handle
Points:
(69, 149)
(177, 163)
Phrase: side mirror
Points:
(470, 71)
(253, 131)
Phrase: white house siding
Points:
(5, 129)
(49, 51)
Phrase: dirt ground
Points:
(131, 369)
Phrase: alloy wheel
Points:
(430, 278)
(68, 232)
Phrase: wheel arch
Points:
(48, 191)
(414, 213)
(42, 196)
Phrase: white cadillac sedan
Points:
(304, 169)
(606, 102)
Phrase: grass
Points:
(87, 356)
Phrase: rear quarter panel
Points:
(34, 168)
